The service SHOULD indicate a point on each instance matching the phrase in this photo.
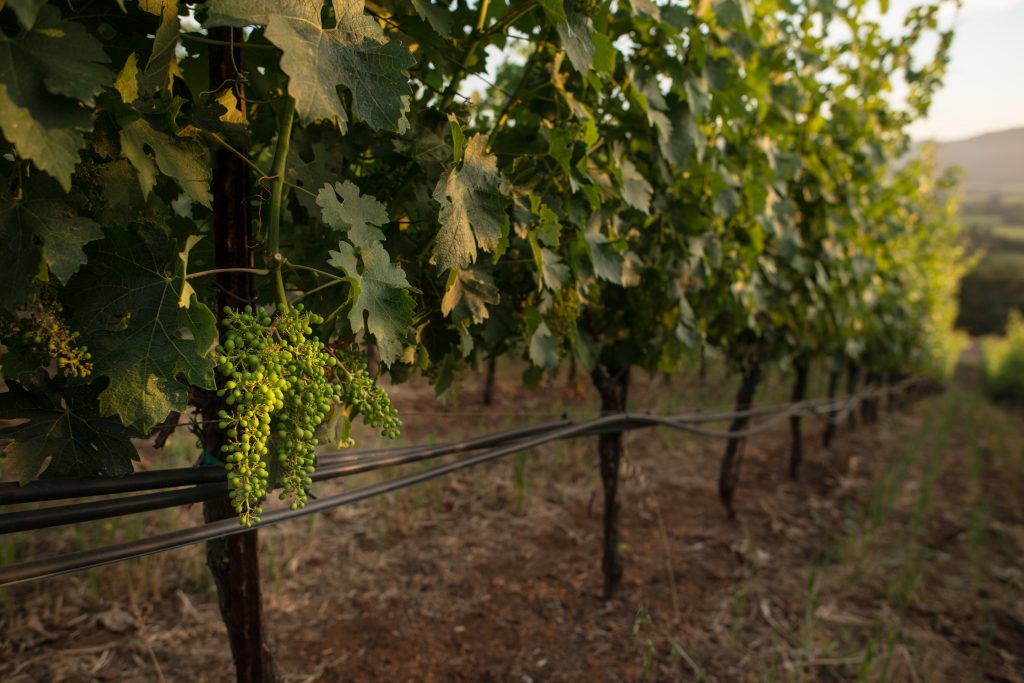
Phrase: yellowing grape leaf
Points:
(468, 294)
(44, 75)
(472, 214)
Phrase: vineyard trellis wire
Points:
(492, 446)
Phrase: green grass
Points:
(1003, 362)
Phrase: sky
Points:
(984, 84)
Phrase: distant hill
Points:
(993, 162)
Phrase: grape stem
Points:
(317, 289)
(214, 271)
(276, 199)
(286, 262)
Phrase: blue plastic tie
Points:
(208, 459)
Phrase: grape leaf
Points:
(439, 18)
(240, 13)
(468, 294)
(44, 73)
(162, 66)
(355, 54)
(646, 7)
(312, 170)
(45, 226)
(19, 260)
(125, 303)
(357, 215)
(544, 347)
(607, 262)
(185, 160)
(65, 434)
(554, 9)
(379, 292)
(26, 10)
(576, 34)
(554, 273)
(188, 293)
(472, 214)
(636, 191)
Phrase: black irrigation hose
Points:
(42, 518)
(42, 490)
(58, 489)
(86, 559)
(352, 464)
(348, 464)
(71, 562)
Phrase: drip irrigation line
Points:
(58, 489)
(501, 444)
(350, 463)
(213, 484)
(43, 518)
(87, 559)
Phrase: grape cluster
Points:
(280, 384)
(364, 396)
(39, 331)
(565, 311)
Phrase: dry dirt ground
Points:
(898, 556)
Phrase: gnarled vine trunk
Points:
(234, 561)
(729, 474)
(801, 369)
(489, 380)
(613, 386)
(830, 425)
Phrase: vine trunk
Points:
(613, 386)
(802, 369)
(729, 474)
(830, 425)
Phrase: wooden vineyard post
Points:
(613, 386)
(234, 561)
(729, 474)
(830, 426)
(796, 455)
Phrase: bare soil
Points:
(898, 556)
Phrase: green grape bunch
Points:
(281, 383)
(39, 331)
(565, 311)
